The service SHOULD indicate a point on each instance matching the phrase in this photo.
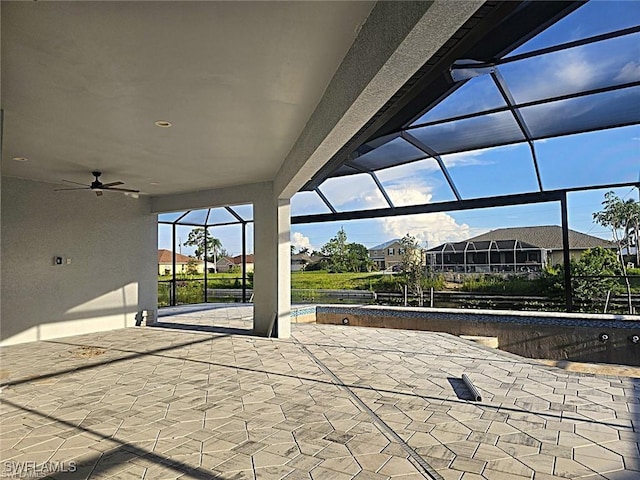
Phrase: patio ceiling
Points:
(504, 97)
(84, 82)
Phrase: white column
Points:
(272, 270)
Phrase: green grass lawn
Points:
(301, 280)
(214, 280)
(339, 281)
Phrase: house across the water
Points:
(511, 250)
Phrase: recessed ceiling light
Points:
(163, 124)
(20, 159)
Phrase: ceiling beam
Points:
(392, 45)
(455, 205)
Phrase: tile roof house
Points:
(299, 261)
(226, 264)
(517, 249)
(548, 237)
(165, 263)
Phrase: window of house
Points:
(390, 251)
(401, 251)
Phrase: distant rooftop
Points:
(484, 245)
(165, 256)
(384, 245)
(547, 236)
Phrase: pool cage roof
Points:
(210, 217)
(517, 79)
(483, 246)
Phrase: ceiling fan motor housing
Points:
(96, 183)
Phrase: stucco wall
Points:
(112, 243)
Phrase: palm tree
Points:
(216, 246)
(197, 238)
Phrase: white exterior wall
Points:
(272, 278)
(112, 243)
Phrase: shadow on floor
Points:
(101, 463)
(203, 328)
(182, 309)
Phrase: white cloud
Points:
(475, 157)
(304, 203)
(353, 192)
(576, 73)
(566, 72)
(629, 73)
(299, 241)
(408, 170)
(430, 229)
(410, 194)
(462, 159)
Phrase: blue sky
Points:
(594, 158)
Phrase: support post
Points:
(568, 291)
(172, 295)
(206, 261)
(464, 256)
(272, 273)
(244, 262)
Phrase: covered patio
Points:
(331, 402)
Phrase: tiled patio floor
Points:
(330, 403)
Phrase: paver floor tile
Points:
(490, 474)
(239, 406)
(469, 476)
(268, 459)
(539, 463)
(397, 466)
(321, 473)
(366, 475)
(465, 464)
(298, 475)
(511, 466)
(235, 463)
(342, 464)
(289, 450)
(568, 468)
(598, 459)
(272, 473)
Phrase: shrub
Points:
(512, 284)
(634, 280)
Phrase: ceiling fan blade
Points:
(76, 188)
(120, 189)
(112, 184)
(69, 181)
